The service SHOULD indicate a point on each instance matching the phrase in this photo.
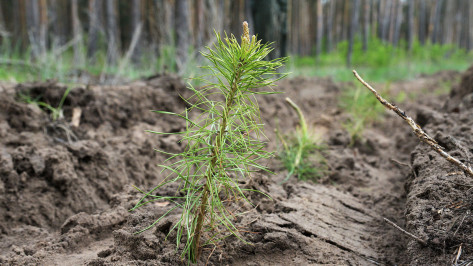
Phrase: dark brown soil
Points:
(461, 96)
(440, 198)
(65, 191)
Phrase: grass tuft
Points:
(56, 112)
(301, 152)
(362, 109)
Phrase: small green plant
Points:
(56, 112)
(298, 151)
(363, 110)
(223, 142)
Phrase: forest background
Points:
(103, 41)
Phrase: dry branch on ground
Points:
(420, 133)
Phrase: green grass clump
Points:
(301, 154)
(362, 108)
(223, 142)
(383, 62)
(56, 112)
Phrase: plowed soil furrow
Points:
(66, 200)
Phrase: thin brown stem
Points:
(200, 222)
(202, 209)
(424, 137)
(418, 239)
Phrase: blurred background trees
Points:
(156, 28)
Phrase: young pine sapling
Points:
(223, 142)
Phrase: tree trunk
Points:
(458, 23)
(212, 20)
(76, 32)
(436, 22)
(470, 28)
(95, 9)
(449, 25)
(19, 24)
(182, 33)
(374, 17)
(32, 23)
(352, 30)
(366, 23)
(339, 36)
(431, 20)
(136, 25)
(346, 20)
(465, 40)
(422, 22)
(320, 29)
(392, 20)
(249, 16)
(398, 21)
(43, 27)
(380, 20)
(113, 35)
(270, 21)
(237, 16)
(385, 20)
(55, 25)
(160, 32)
(3, 28)
(295, 26)
(330, 31)
(283, 31)
(410, 24)
(199, 28)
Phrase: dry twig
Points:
(400, 163)
(418, 239)
(417, 129)
(457, 257)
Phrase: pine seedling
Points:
(224, 142)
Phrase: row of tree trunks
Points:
(303, 27)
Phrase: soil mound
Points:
(51, 170)
(461, 96)
(439, 200)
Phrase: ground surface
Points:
(65, 191)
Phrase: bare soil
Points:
(65, 190)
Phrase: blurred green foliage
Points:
(382, 61)
(362, 108)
